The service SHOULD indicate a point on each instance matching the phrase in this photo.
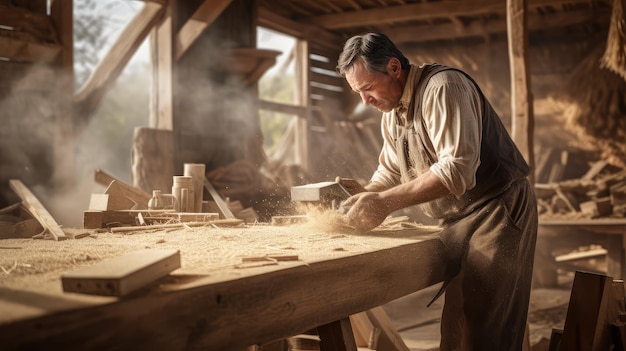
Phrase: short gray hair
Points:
(375, 49)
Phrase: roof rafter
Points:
(407, 34)
(422, 11)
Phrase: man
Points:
(446, 149)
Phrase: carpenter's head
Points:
(375, 69)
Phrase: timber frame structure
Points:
(493, 40)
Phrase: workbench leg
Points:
(615, 256)
(337, 336)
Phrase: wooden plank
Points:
(208, 11)
(282, 108)
(218, 199)
(522, 102)
(104, 219)
(36, 209)
(107, 71)
(585, 324)
(122, 275)
(229, 222)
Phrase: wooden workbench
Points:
(209, 303)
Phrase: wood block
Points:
(108, 202)
(122, 275)
(617, 194)
(196, 217)
(36, 209)
(597, 208)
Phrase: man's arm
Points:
(369, 209)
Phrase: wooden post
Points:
(521, 98)
(337, 336)
(61, 13)
(302, 99)
(162, 52)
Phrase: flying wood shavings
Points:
(324, 220)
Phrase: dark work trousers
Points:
(486, 303)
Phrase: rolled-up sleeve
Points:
(452, 113)
(388, 171)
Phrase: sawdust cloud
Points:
(323, 219)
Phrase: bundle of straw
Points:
(615, 54)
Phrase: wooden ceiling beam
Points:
(315, 34)
(18, 50)
(422, 11)
(108, 70)
(419, 11)
(407, 34)
(204, 16)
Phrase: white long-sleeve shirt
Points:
(452, 110)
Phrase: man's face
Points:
(382, 91)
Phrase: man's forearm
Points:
(375, 187)
(424, 188)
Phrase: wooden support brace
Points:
(337, 336)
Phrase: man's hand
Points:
(366, 210)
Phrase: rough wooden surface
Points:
(358, 271)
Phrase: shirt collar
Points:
(407, 94)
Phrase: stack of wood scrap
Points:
(124, 208)
(601, 192)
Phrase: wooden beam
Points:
(312, 33)
(303, 98)
(208, 11)
(62, 16)
(420, 11)
(36, 209)
(282, 108)
(25, 51)
(102, 78)
(522, 101)
(162, 59)
(445, 31)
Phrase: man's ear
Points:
(394, 67)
